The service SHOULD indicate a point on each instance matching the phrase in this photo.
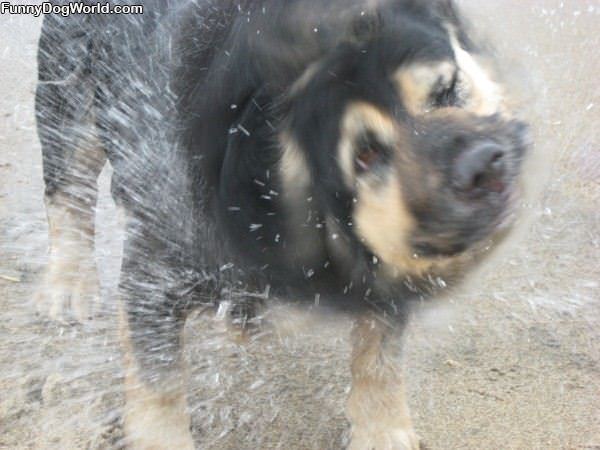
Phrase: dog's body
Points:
(350, 152)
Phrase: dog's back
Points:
(107, 91)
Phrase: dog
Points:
(356, 154)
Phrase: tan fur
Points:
(381, 215)
(293, 167)
(69, 287)
(359, 117)
(481, 94)
(155, 417)
(416, 82)
(377, 406)
(296, 181)
(384, 222)
(485, 96)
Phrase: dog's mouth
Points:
(476, 202)
(467, 224)
(478, 197)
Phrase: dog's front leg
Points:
(155, 415)
(377, 406)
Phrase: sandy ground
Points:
(510, 362)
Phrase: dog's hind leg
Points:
(377, 406)
(72, 161)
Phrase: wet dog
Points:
(356, 152)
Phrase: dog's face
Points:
(409, 143)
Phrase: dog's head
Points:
(406, 141)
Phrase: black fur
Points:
(190, 101)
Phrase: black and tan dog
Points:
(353, 151)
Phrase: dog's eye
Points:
(370, 153)
(445, 94)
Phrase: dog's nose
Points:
(480, 168)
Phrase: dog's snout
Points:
(479, 169)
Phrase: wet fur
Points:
(233, 148)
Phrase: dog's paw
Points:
(153, 440)
(68, 291)
(155, 420)
(393, 439)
